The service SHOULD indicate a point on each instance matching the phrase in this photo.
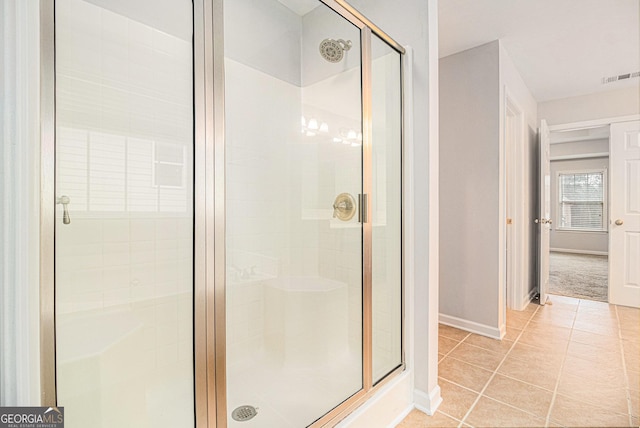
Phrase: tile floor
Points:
(572, 363)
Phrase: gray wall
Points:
(569, 240)
(469, 186)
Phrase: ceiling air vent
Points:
(626, 76)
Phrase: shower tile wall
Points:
(124, 156)
(280, 183)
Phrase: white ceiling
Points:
(562, 48)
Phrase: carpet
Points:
(583, 276)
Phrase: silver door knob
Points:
(550, 221)
(536, 221)
(619, 222)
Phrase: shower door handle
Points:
(64, 200)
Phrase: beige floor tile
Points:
(631, 355)
(488, 412)
(559, 303)
(573, 413)
(635, 421)
(634, 397)
(519, 314)
(602, 374)
(634, 379)
(626, 310)
(542, 375)
(512, 333)
(549, 331)
(451, 332)
(591, 327)
(594, 338)
(564, 299)
(477, 356)
(586, 389)
(472, 377)
(630, 335)
(493, 345)
(519, 394)
(536, 353)
(440, 356)
(560, 318)
(542, 340)
(606, 310)
(516, 322)
(633, 325)
(600, 354)
(445, 344)
(595, 304)
(456, 400)
(418, 419)
(609, 320)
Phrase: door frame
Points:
(571, 126)
(514, 197)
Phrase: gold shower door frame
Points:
(209, 212)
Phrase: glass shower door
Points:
(124, 217)
(293, 238)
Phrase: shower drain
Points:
(244, 413)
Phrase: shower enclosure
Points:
(228, 222)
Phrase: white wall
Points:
(19, 210)
(469, 185)
(617, 102)
(511, 82)
(564, 240)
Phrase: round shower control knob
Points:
(344, 207)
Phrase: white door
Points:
(543, 219)
(624, 214)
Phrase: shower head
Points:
(333, 50)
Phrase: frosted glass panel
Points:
(386, 209)
(124, 159)
(294, 271)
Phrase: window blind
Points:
(581, 201)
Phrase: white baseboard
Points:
(471, 326)
(427, 403)
(569, 250)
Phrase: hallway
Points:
(570, 363)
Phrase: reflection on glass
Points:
(294, 272)
(387, 214)
(124, 159)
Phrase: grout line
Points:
(555, 393)
(495, 372)
(452, 349)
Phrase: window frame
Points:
(605, 199)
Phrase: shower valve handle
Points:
(64, 200)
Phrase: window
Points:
(582, 200)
